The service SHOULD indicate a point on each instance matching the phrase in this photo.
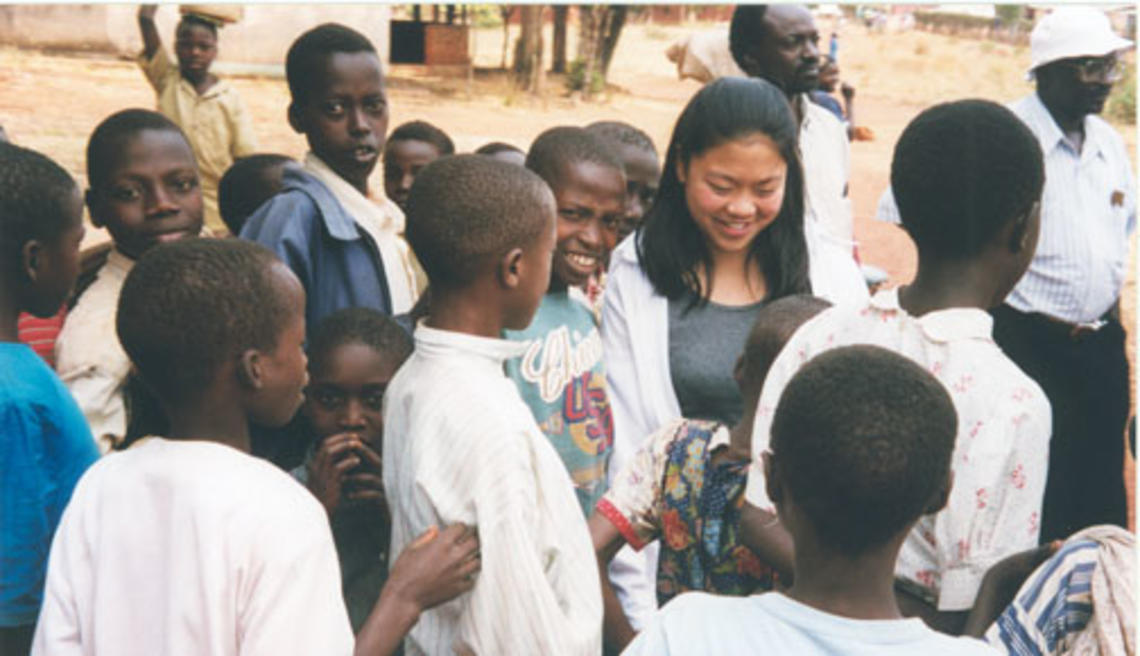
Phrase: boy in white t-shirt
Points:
(861, 448)
(968, 178)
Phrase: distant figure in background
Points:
(828, 81)
(247, 184)
(207, 109)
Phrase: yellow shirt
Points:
(215, 123)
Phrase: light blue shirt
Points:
(1088, 215)
(697, 623)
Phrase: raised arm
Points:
(151, 41)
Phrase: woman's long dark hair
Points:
(671, 247)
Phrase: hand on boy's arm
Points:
(617, 632)
(1001, 584)
(435, 568)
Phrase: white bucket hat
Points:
(1073, 31)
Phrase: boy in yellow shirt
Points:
(209, 111)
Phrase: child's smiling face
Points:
(591, 204)
(149, 194)
(345, 116)
(346, 392)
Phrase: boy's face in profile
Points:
(403, 160)
(57, 264)
(346, 393)
(149, 194)
(642, 175)
(195, 46)
(345, 117)
(535, 277)
(591, 204)
(284, 369)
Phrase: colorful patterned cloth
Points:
(673, 490)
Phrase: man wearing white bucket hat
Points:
(1061, 323)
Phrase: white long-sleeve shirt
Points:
(461, 446)
(191, 548)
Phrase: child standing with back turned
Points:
(46, 445)
(460, 446)
(208, 110)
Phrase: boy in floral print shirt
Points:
(967, 177)
(686, 486)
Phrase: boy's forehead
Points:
(344, 70)
(145, 152)
(194, 31)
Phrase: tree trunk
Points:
(558, 60)
(528, 50)
(617, 16)
(599, 27)
(505, 12)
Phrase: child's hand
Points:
(847, 90)
(336, 455)
(436, 567)
(363, 484)
(148, 11)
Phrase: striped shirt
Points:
(461, 446)
(1088, 214)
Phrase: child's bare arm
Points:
(1001, 584)
(943, 621)
(435, 568)
(617, 632)
(151, 40)
(762, 532)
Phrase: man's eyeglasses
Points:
(1097, 69)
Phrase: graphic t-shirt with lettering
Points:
(562, 379)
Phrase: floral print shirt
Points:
(673, 491)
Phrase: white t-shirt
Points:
(191, 547)
(698, 623)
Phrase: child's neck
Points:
(9, 318)
(212, 418)
(203, 84)
(463, 312)
(859, 588)
(948, 285)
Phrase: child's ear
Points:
(296, 121)
(941, 497)
(510, 268)
(772, 484)
(250, 370)
(91, 199)
(1019, 231)
(32, 258)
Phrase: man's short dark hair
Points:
(249, 182)
(34, 192)
(425, 132)
(623, 133)
(558, 148)
(110, 135)
(862, 439)
(466, 209)
(367, 326)
(961, 172)
(305, 61)
(745, 31)
(188, 306)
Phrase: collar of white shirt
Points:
(492, 351)
(950, 324)
(1039, 119)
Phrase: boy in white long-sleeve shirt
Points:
(461, 446)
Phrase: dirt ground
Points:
(52, 102)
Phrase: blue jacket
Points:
(338, 263)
